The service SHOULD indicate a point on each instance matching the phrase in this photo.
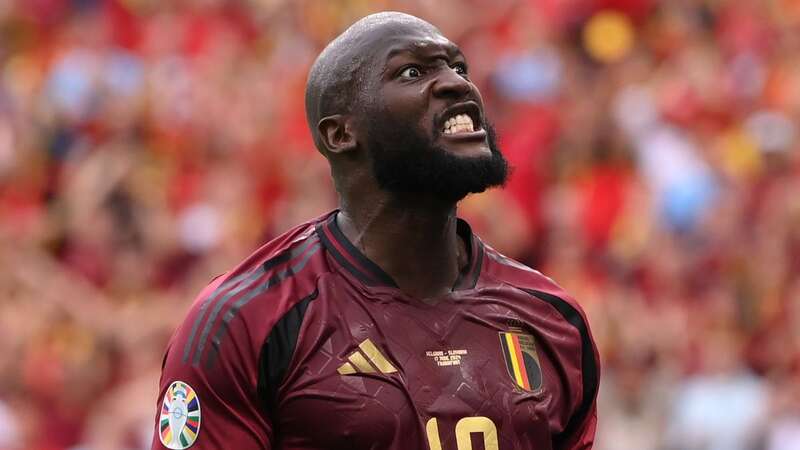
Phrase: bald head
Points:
(390, 104)
(338, 75)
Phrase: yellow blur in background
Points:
(147, 146)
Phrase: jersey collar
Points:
(365, 270)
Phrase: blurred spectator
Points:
(9, 433)
(721, 408)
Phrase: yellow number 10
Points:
(464, 427)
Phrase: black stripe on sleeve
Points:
(278, 349)
(589, 370)
(216, 341)
(249, 277)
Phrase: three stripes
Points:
(366, 359)
(252, 284)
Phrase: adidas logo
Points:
(367, 359)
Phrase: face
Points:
(426, 129)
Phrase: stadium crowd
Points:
(146, 146)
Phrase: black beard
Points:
(405, 162)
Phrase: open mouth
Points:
(461, 119)
(461, 123)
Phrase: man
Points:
(385, 324)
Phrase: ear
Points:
(337, 134)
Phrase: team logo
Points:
(180, 416)
(522, 361)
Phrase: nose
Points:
(451, 84)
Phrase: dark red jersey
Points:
(310, 345)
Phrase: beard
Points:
(405, 161)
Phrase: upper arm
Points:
(579, 432)
(208, 389)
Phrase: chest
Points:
(471, 373)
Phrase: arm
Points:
(582, 436)
(580, 431)
(208, 395)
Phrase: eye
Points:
(460, 68)
(411, 72)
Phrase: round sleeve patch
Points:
(179, 423)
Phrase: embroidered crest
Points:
(522, 361)
(180, 417)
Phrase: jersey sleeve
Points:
(579, 350)
(582, 436)
(208, 395)
(579, 433)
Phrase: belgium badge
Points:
(522, 361)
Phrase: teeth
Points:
(461, 123)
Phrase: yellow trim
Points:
(374, 355)
(512, 354)
(346, 369)
(360, 362)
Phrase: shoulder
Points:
(514, 273)
(256, 294)
(540, 288)
(284, 256)
(217, 352)
(543, 289)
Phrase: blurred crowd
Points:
(147, 146)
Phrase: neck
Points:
(413, 240)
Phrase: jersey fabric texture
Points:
(308, 344)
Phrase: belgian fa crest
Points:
(522, 361)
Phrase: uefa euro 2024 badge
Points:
(179, 424)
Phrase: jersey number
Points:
(464, 428)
